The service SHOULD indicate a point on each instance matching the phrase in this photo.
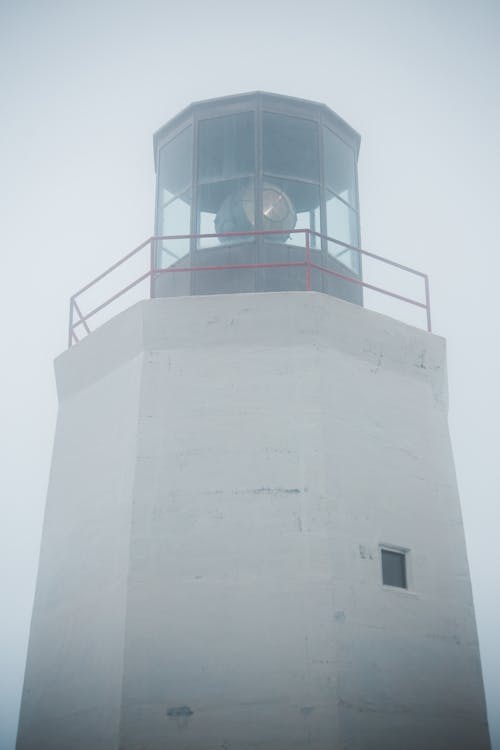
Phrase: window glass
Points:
(340, 167)
(290, 146)
(176, 217)
(394, 568)
(225, 206)
(226, 147)
(308, 220)
(175, 165)
(342, 225)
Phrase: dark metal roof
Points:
(286, 104)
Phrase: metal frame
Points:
(308, 263)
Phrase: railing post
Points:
(308, 261)
(70, 329)
(428, 303)
(152, 255)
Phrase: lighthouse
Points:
(253, 536)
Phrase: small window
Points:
(394, 568)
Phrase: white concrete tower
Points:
(253, 537)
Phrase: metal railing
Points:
(79, 322)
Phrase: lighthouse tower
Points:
(253, 537)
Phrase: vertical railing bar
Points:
(308, 262)
(70, 329)
(151, 266)
(428, 303)
(80, 315)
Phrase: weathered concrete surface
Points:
(72, 691)
(225, 471)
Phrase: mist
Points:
(84, 86)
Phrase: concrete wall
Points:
(72, 690)
(274, 441)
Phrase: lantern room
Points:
(246, 185)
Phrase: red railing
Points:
(78, 322)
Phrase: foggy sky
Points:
(85, 83)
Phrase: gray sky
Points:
(85, 83)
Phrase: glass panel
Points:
(288, 205)
(176, 165)
(227, 206)
(308, 220)
(340, 167)
(226, 147)
(393, 568)
(290, 146)
(175, 220)
(342, 225)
